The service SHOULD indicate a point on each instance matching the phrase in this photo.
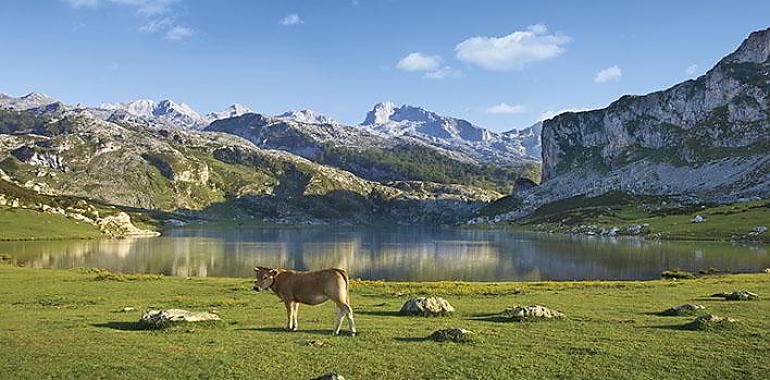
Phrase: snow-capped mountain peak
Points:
(306, 116)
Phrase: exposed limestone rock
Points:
(698, 219)
(711, 323)
(687, 309)
(427, 307)
(742, 296)
(534, 312)
(453, 335)
(119, 225)
(160, 317)
(330, 376)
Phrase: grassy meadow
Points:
(23, 224)
(69, 324)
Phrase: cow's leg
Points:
(351, 322)
(295, 313)
(289, 315)
(340, 315)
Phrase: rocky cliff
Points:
(708, 137)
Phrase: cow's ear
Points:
(256, 269)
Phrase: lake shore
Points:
(69, 324)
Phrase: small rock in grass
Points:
(742, 296)
(698, 219)
(687, 309)
(160, 317)
(427, 307)
(522, 313)
(127, 309)
(315, 343)
(710, 323)
(452, 335)
(759, 229)
(330, 376)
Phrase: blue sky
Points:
(499, 64)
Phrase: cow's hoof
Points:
(352, 333)
(336, 333)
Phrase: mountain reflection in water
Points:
(398, 253)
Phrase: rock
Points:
(127, 309)
(161, 317)
(119, 225)
(687, 309)
(759, 229)
(452, 335)
(710, 322)
(636, 228)
(767, 270)
(427, 307)
(330, 376)
(742, 296)
(698, 219)
(522, 313)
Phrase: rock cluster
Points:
(523, 313)
(427, 307)
(120, 225)
(330, 376)
(711, 322)
(161, 317)
(687, 309)
(742, 296)
(456, 335)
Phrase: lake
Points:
(399, 254)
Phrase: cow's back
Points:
(315, 287)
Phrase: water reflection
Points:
(391, 254)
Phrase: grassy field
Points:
(68, 324)
(21, 224)
(666, 219)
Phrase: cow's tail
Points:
(344, 276)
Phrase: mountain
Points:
(707, 138)
(529, 138)
(372, 155)
(29, 101)
(306, 116)
(164, 113)
(448, 133)
(234, 110)
(207, 174)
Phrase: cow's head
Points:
(265, 278)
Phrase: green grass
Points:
(68, 324)
(21, 224)
(667, 219)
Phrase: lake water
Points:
(401, 253)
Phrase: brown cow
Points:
(310, 288)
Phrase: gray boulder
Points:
(711, 322)
(427, 307)
(687, 309)
(522, 313)
(742, 296)
(453, 335)
(698, 219)
(160, 317)
(759, 229)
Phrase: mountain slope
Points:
(206, 174)
(708, 137)
(371, 155)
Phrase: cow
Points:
(310, 288)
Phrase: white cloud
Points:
(157, 25)
(292, 19)
(513, 51)
(443, 73)
(549, 114)
(504, 108)
(178, 33)
(608, 74)
(691, 70)
(419, 62)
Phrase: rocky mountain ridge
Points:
(706, 138)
